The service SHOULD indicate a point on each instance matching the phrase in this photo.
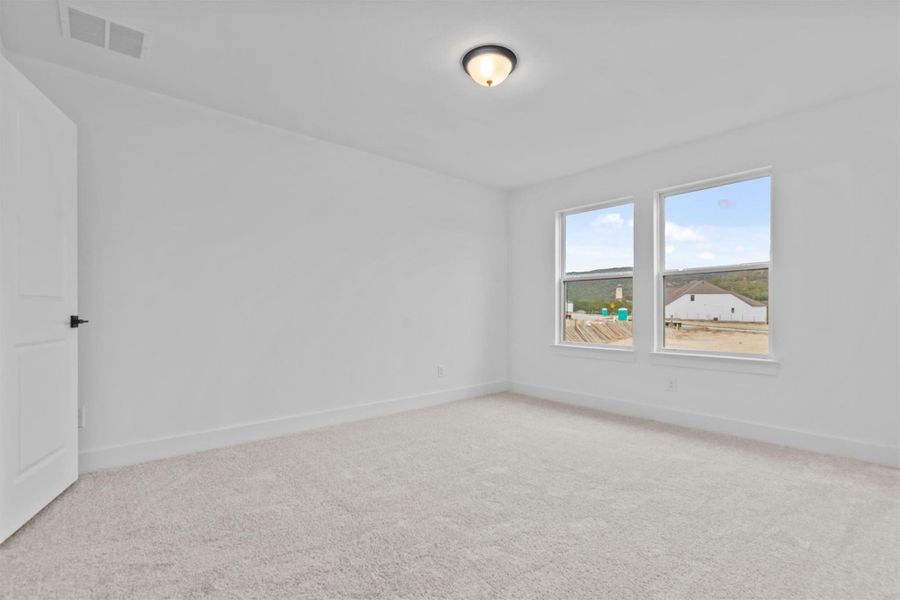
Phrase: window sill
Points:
(616, 353)
(757, 365)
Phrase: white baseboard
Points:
(137, 452)
(883, 455)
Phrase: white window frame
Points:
(562, 278)
(659, 217)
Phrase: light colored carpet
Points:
(499, 497)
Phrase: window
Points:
(595, 286)
(715, 266)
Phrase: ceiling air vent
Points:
(79, 23)
(87, 28)
(126, 40)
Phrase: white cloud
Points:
(631, 223)
(670, 249)
(677, 233)
(720, 245)
(614, 219)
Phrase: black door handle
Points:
(74, 321)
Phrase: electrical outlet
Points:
(80, 417)
(671, 384)
(440, 370)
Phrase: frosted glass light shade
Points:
(489, 65)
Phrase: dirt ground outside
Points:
(603, 331)
(708, 336)
(719, 336)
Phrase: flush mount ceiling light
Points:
(489, 65)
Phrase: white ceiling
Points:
(596, 82)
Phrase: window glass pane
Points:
(598, 311)
(722, 225)
(600, 240)
(718, 312)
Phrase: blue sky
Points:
(724, 225)
(600, 239)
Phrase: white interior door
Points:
(38, 348)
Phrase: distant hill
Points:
(591, 296)
(595, 271)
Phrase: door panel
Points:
(40, 220)
(42, 427)
(38, 350)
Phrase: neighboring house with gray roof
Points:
(703, 301)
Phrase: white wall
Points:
(706, 307)
(836, 195)
(236, 273)
(216, 252)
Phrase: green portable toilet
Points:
(605, 312)
(623, 314)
